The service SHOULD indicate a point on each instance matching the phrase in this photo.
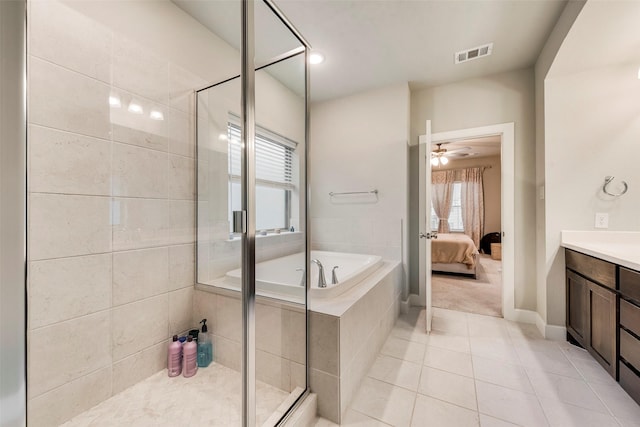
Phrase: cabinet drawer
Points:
(599, 271)
(630, 316)
(630, 348)
(630, 382)
(630, 284)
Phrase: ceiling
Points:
(374, 43)
(370, 44)
(487, 146)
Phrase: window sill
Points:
(237, 238)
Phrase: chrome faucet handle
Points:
(334, 277)
(303, 278)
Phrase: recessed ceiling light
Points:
(114, 101)
(316, 58)
(156, 115)
(135, 108)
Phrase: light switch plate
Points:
(602, 220)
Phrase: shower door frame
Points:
(248, 196)
(13, 214)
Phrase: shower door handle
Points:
(239, 221)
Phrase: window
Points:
(274, 181)
(455, 214)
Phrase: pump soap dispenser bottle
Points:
(174, 357)
(205, 346)
(189, 358)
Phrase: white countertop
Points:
(618, 247)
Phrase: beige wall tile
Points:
(57, 406)
(296, 334)
(139, 366)
(64, 288)
(140, 274)
(324, 343)
(229, 318)
(63, 225)
(273, 370)
(140, 71)
(205, 307)
(181, 221)
(51, 104)
(181, 311)
(181, 133)
(139, 325)
(181, 266)
(227, 353)
(139, 172)
(298, 375)
(182, 84)
(139, 223)
(270, 330)
(327, 387)
(141, 128)
(63, 162)
(54, 30)
(69, 350)
(181, 178)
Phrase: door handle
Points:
(433, 235)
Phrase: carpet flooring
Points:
(460, 293)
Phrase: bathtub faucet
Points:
(334, 277)
(322, 283)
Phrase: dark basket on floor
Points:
(487, 240)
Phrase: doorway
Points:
(473, 284)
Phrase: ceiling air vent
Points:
(474, 53)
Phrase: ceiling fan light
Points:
(444, 160)
(434, 161)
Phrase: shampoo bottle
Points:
(174, 357)
(189, 358)
(205, 347)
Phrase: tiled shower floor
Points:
(211, 398)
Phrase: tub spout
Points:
(322, 283)
(334, 277)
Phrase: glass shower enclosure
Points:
(166, 144)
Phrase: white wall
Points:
(500, 98)
(591, 130)
(359, 143)
(543, 64)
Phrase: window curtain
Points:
(472, 203)
(441, 194)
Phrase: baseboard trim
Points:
(551, 332)
(520, 315)
(415, 301)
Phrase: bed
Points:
(454, 253)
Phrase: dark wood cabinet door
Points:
(577, 323)
(601, 340)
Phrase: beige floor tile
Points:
(510, 405)
(403, 349)
(617, 400)
(449, 342)
(449, 387)
(564, 415)
(487, 421)
(434, 412)
(384, 402)
(565, 389)
(397, 372)
(356, 419)
(447, 360)
(502, 374)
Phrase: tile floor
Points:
(211, 398)
(475, 370)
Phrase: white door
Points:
(425, 221)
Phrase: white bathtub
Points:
(279, 277)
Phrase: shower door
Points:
(252, 244)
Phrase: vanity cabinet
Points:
(629, 365)
(591, 307)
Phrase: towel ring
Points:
(607, 181)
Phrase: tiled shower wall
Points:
(111, 211)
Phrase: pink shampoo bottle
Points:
(189, 358)
(174, 357)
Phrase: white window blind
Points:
(273, 158)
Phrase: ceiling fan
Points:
(440, 156)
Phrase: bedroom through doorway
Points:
(466, 212)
